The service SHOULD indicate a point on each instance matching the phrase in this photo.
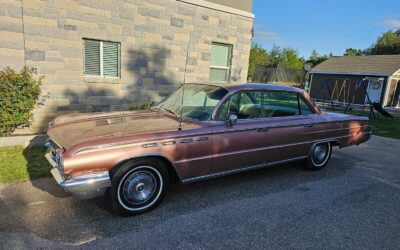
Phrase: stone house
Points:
(105, 55)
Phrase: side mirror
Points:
(232, 119)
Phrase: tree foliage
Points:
(286, 57)
(289, 58)
(316, 58)
(353, 52)
(387, 44)
(19, 93)
(258, 56)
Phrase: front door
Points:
(242, 144)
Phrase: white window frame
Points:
(101, 59)
(228, 68)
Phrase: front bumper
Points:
(82, 187)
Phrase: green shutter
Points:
(111, 59)
(220, 55)
(92, 57)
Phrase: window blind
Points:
(92, 57)
(110, 59)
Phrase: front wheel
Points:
(138, 186)
(319, 156)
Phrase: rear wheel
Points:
(319, 156)
(138, 186)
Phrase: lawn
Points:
(19, 163)
(386, 127)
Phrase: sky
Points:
(328, 26)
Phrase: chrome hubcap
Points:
(139, 187)
(320, 152)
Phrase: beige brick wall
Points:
(154, 36)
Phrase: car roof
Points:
(232, 87)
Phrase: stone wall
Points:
(154, 37)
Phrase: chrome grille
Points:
(52, 147)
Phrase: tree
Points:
(387, 44)
(353, 52)
(290, 58)
(316, 59)
(258, 56)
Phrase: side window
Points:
(280, 103)
(246, 104)
(305, 109)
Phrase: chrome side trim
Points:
(205, 177)
(136, 142)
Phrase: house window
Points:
(101, 58)
(220, 67)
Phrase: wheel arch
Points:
(173, 174)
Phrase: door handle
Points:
(186, 141)
(263, 129)
(309, 125)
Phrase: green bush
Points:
(19, 93)
(140, 106)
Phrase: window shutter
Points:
(220, 55)
(111, 59)
(92, 57)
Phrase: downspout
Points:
(23, 30)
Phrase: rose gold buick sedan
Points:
(212, 131)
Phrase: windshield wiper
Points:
(170, 111)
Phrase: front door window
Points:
(245, 104)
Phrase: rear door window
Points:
(280, 103)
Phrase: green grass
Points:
(20, 164)
(383, 126)
(386, 127)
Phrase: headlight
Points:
(60, 161)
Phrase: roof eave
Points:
(350, 73)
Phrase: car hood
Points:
(75, 129)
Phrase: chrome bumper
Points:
(82, 187)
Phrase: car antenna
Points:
(183, 87)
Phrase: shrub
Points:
(19, 93)
(140, 106)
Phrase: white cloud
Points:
(395, 23)
(266, 36)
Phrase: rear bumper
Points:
(82, 187)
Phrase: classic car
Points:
(200, 131)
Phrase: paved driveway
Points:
(353, 203)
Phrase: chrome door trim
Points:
(205, 177)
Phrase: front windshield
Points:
(198, 101)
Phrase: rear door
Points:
(291, 125)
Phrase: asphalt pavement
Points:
(354, 203)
